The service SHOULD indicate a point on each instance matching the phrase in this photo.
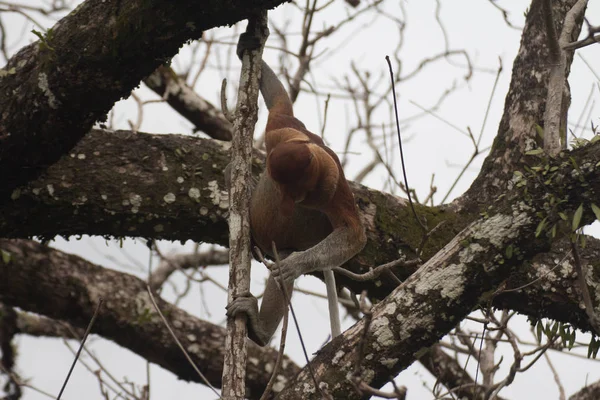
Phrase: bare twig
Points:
(585, 293)
(412, 206)
(592, 37)
(555, 115)
(375, 272)
(176, 339)
(85, 336)
(282, 340)
(561, 389)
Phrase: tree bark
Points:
(240, 191)
(66, 287)
(56, 88)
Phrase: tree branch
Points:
(183, 99)
(90, 59)
(66, 287)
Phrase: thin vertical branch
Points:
(85, 336)
(558, 98)
(585, 293)
(234, 367)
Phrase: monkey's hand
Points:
(333, 251)
(246, 41)
(248, 305)
(290, 268)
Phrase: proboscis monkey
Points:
(302, 203)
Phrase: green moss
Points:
(401, 222)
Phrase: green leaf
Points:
(534, 152)
(6, 256)
(596, 211)
(539, 130)
(509, 251)
(538, 331)
(554, 329)
(540, 227)
(562, 216)
(577, 217)
(572, 339)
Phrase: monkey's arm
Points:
(272, 90)
(344, 242)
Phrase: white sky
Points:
(432, 147)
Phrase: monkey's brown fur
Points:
(302, 203)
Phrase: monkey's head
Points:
(292, 166)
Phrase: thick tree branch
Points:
(56, 88)
(591, 392)
(182, 98)
(171, 187)
(466, 272)
(559, 96)
(452, 375)
(524, 106)
(66, 287)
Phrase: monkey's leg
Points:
(332, 300)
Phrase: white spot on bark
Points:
(81, 156)
(337, 357)
(169, 198)
(180, 179)
(388, 362)
(194, 193)
(382, 332)
(45, 87)
(50, 190)
(390, 309)
(135, 199)
(219, 197)
(235, 223)
(500, 228)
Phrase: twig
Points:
(287, 300)
(551, 31)
(592, 37)
(585, 293)
(282, 340)
(228, 115)
(325, 116)
(375, 272)
(183, 350)
(412, 206)
(85, 335)
(561, 389)
(555, 114)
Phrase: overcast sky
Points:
(432, 147)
